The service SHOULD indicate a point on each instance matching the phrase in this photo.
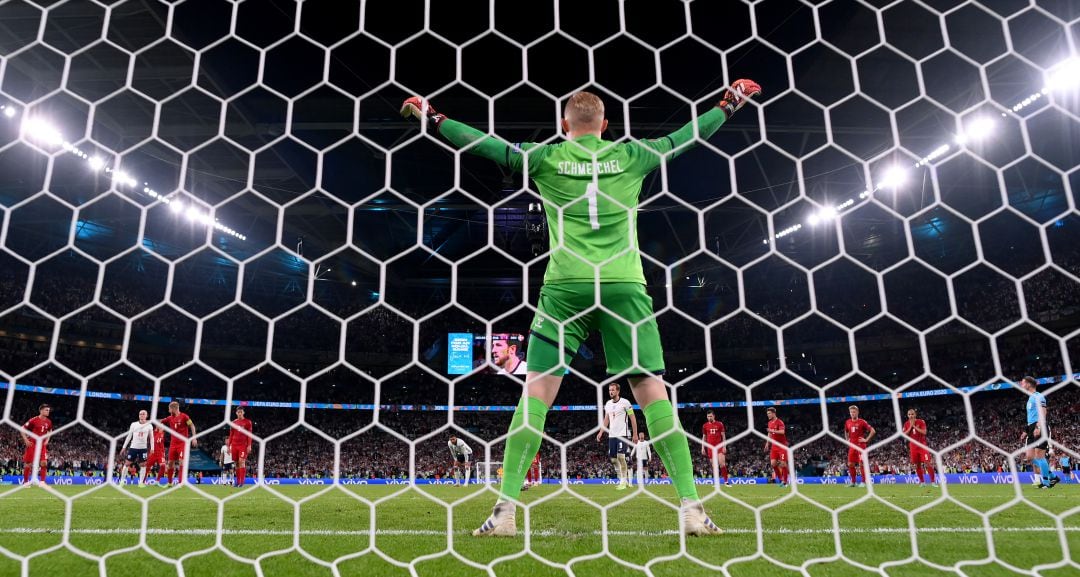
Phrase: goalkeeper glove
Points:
(735, 97)
(420, 108)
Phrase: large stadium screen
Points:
(468, 351)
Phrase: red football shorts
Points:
(154, 458)
(28, 454)
(855, 455)
(920, 455)
(711, 452)
(778, 453)
(176, 451)
(239, 452)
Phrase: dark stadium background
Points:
(709, 226)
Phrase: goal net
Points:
(489, 471)
(218, 204)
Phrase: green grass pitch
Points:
(983, 531)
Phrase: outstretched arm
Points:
(462, 135)
(707, 124)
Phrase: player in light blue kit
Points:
(1037, 434)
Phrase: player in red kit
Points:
(915, 431)
(858, 433)
(37, 445)
(183, 431)
(532, 476)
(240, 444)
(157, 457)
(714, 436)
(776, 445)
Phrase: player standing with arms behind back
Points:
(617, 411)
(183, 429)
(37, 446)
(858, 433)
(643, 457)
(915, 431)
(776, 446)
(240, 445)
(591, 190)
(713, 435)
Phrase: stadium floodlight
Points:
(42, 131)
(96, 163)
(893, 178)
(977, 130)
(10, 112)
(813, 219)
(176, 206)
(1064, 76)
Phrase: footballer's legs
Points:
(722, 460)
(241, 470)
(674, 450)
(522, 444)
(620, 468)
(1038, 459)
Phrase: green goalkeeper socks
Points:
(673, 448)
(522, 444)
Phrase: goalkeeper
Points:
(590, 189)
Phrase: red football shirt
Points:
(238, 438)
(857, 430)
(178, 423)
(38, 426)
(713, 432)
(159, 440)
(914, 435)
(777, 432)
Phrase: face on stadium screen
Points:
(355, 217)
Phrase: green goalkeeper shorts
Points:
(567, 313)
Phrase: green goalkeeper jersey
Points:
(591, 188)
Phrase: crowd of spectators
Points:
(379, 343)
(404, 443)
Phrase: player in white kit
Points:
(617, 411)
(138, 442)
(643, 456)
(226, 461)
(461, 457)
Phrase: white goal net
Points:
(217, 203)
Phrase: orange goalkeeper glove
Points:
(735, 97)
(420, 108)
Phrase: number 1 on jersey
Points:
(591, 193)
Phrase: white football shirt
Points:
(643, 451)
(617, 414)
(460, 448)
(226, 454)
(139, 435)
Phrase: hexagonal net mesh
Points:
(218, 203)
